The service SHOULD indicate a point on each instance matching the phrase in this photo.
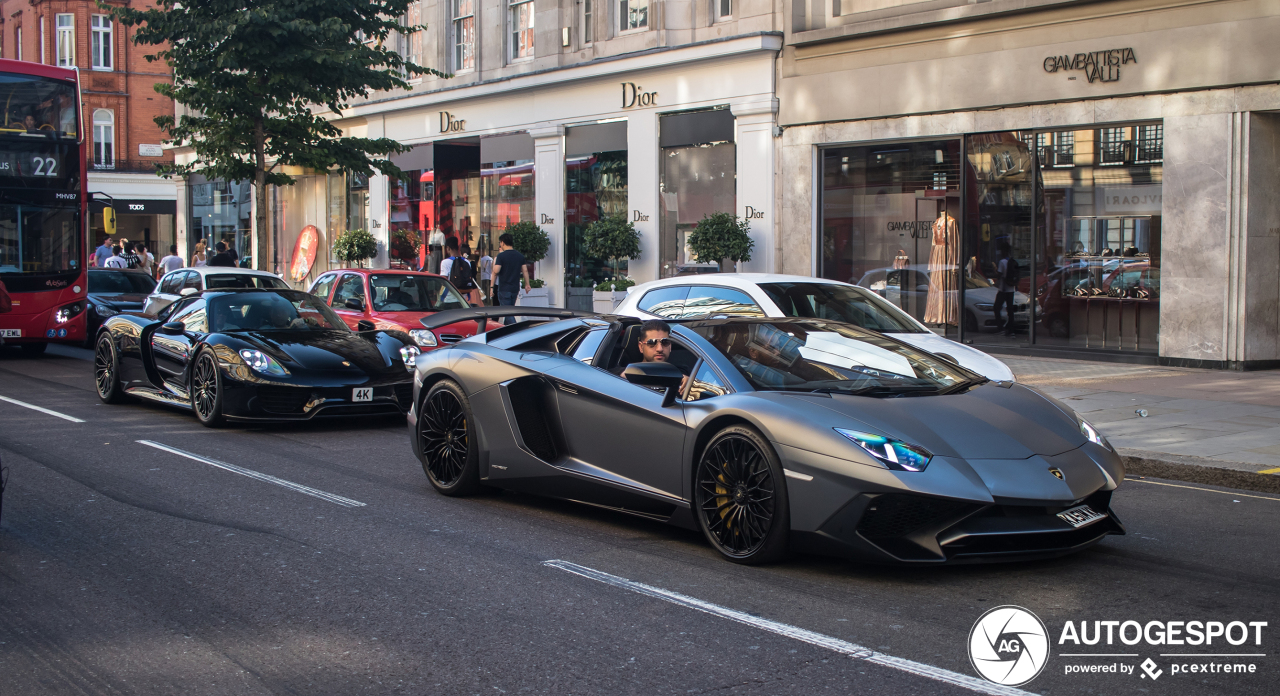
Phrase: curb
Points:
(1199, 470)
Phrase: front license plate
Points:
(362, 394)
(10, 333)
(1081, 515)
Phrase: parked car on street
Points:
(773, 295)
(766, 434)
(255, 355)
(112, 291)
(395, 299)
(189, 281)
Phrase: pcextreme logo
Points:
(1009, 645)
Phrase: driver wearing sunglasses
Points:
(655, 343)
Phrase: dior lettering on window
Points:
(638, 216)
(753, 214)
(448, 124)
(547, 220)
(1099, 66)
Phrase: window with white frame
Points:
(42, 41)
(464, 35)
(723, 8)
(66, 39)
(100, 45)
(633, 14)
(17, 40)
(104, 139)
(588, 21)
(520, 17)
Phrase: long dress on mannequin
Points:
(435, 245)
(942, 305)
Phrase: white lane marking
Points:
(344, 502)
(834, 644)
(33, 407)
(1197, 488)
(796, 475)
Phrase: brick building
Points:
(120, 105)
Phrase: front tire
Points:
(740, 497)
(106, 370)
(446, 440)
(206, 390)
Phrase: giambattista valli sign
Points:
(1099, 66)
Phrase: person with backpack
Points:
(457, 269)
(1007, 273)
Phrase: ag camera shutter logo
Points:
(1009, 646)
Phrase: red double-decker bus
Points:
(43, 207)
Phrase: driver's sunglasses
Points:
(651, 342)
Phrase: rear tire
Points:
(206, 390)
(740, 497)
(445, 439)
(34, 348)
(106, 370)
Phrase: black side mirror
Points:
(364, 324)
(663, 375)
(355, 303)
(174, 328)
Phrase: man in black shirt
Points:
(507, 270)
(222, 258)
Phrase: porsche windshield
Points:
(397, 292)
(828, 357)
(271, 311)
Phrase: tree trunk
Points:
(261, 259)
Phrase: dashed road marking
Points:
(307, 490)
(41, 409)
(857, 652)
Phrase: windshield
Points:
(412, 293)
(839, 303)
(37, 106)
(242, 281)
(271, 311)
(821, 356)
(39, 240)
(120, 283)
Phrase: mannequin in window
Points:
(941, 307)
(435, 247)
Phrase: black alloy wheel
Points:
(106, 370)
(741, 497)
(206, 390)
(446, 440)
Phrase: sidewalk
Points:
(1206, 426)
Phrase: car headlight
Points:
(423, 337)
(262, 363)
(1092, 435)
(894, 454)
(68, 312)
(409, 354)
(104, 311)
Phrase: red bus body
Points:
(44, 245)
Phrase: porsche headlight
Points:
(1092, 435)
(262, 363)
(409, 354)
(104, 311)
(423, 337)
(894, 454)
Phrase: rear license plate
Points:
(362, 394)
(1081, 515)
(10, 333)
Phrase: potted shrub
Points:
(721, 238)
(578, 291)
(354, 247)
(532, 242)
(614, 238)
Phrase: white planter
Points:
(537, 297)
(606, 302)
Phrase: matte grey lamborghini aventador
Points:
(787, 433)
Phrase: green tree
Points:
(355, 246)
(613, 238)
(721, 236)
(530, 240)
(260, 81)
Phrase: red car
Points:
(397, 300)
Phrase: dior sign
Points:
(1099, 66)
(449, 124)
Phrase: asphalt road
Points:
(128, 568)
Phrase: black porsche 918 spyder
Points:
(254, 355)
(767, 434)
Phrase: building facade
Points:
(119, 107)
(1125, 155)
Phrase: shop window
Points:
(221, 211)
(633, 14)
(595, 188)
(464, 35)
(104, 139)
(697, 177)
(520, 20)
(100, 49)
(65, 26)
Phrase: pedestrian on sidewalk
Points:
(102, 253)
(507, 271)
(486, 277)
(222, 258)
(116, 260)
(1006, 286)
(172, 262)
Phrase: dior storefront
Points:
(1058, 155)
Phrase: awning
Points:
(135, 207)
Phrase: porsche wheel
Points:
(106, 370)
(206, 390)
(446, 440)
(741, 497)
